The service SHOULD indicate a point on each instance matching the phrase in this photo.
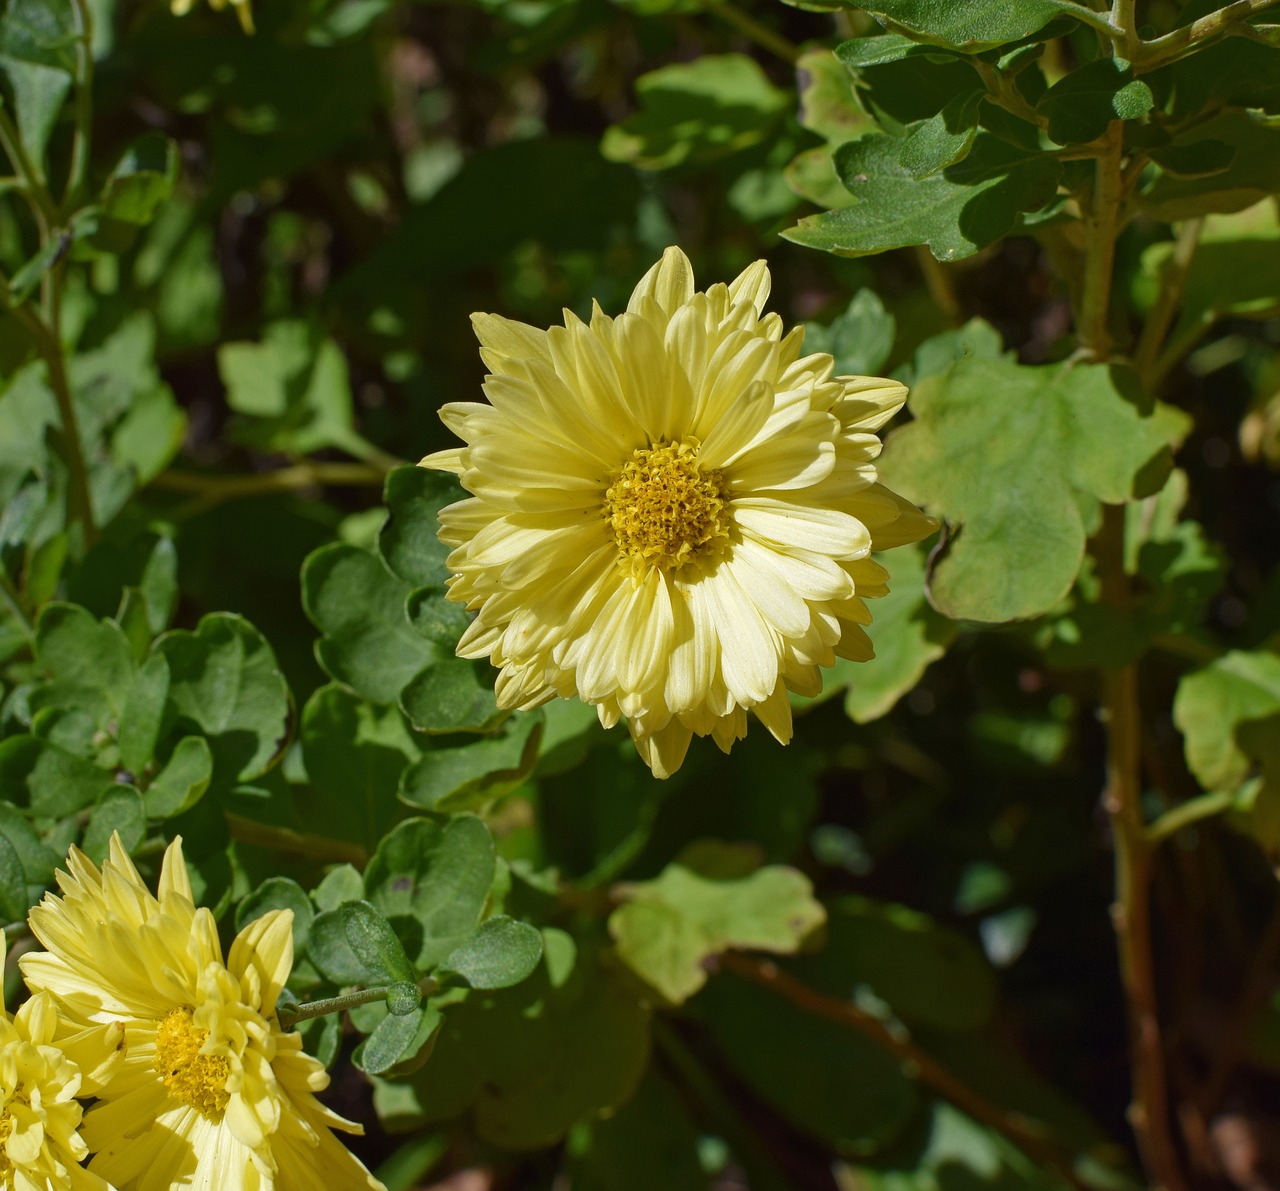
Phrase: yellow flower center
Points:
(196, 1079)
(666, 511)
(6, 1127)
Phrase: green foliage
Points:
(1003, 450)
(236, 296)
(955, 211)
(712, 898)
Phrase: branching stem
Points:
(1029, 1136)
(1150, 55)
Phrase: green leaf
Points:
(501, 953)
(943, 139)
(408, 543)
(880, 49)
(292, 388)
(403, 997)
(355, 753)
(431, 881)
(808, 1080)
(908, 636)
(714, 898)
(461, 777)
(1253, 175)
(451, 697)
(1213, 704)
(374, 943)
(38, 859)
(1080, 106)
(827, 103)
(28, 276)
(48, 779)
(38, 55)
(860, 339)
(279, 893)
(329, 948)
(971, 27)
(1236, 71)
(142, 719)
(225, 683)
(956, 212)
(142, 181)
(396, 1040)
(651, 1141)
(42, 32)
(359, 605)
(119, 809)
(695, 112)
(926, 974)
(529, 1061)
(183, 780)
(89, 661)
(1175, 571)
(1235, 272)
(13, 884)
(1017, 459)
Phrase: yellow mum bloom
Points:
(672, 511)
(211, 1093)
(43, 1068)
(180, 8)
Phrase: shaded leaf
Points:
(1017, 459)
(714, 898)
(955, 212)
(431, 881)
(693, 112)
(224, 681)
(501, 953)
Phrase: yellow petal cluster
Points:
(43, 1068)
(210, 1093)
(672, 511)
(180, 8)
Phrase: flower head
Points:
(244, 12)
(43, 1068)
(672, 511)
(211, 1093)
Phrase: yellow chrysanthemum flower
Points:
(180, 8)
(43, 1068)
(211, 1093)
(672, 511)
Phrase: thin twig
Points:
(295, 843)
(747, 25)
(1150, 55)
(1173, 281)
(211, 491)
(1029, 1136)
(79, 167)
(1188, 813)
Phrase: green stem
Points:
(1123, 19)
(289, 1015)
(1101, 225)
(49, 345)
(1173, 280)
(1095, 20)
(1150, 55)
(296, 843)
(79, 168)
(9, 595)
(747, 25)
(938, 282)
(1187, 813)
(1179, 347)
